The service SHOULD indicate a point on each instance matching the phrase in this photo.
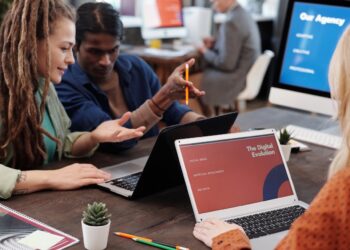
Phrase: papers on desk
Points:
(40, 240)
(298, 146)
(18, 231)
(169, 52)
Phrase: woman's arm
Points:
(78, 175)
(69, 177)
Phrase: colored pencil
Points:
(186, 78)
(131, 236)
(153, 244)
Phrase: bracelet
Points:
(157, 106)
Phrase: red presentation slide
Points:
(169, 13)
(235, 172)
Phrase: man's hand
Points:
(113, 131)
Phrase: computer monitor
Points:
(311, 32)
(162, 19)
(198, 22)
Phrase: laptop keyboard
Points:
(127, 182)
(268, 222)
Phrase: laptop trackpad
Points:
(268, 242)
(126, 168)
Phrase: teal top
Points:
(57, 123)
(50, 145)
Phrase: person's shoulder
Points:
(74, 75)
(241, 14)
(131, 59)
(242, 22)
(239, 9)
(71, 70)
(68, 73)
(132, 63)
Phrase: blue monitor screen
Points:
(313, 34)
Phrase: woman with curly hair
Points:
(36, 40)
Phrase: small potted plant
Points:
(95, 225)
(284, 138)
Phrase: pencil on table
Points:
(131, 236)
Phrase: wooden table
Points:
(166, 216)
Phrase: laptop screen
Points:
(235, 172)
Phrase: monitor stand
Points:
(168, 48)
(165, 44)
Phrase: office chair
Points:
(254, 80)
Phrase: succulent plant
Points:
(284, 136)
(96, 214)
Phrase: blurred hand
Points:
(75, 176)
(174, 89)
(202, 49)
(235, 129)
(207, 230)
(113, 130)
(209, 42)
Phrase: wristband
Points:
(157, 106)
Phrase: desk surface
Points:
(166, 216)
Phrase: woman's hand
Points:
(71, 177)
(113, 131)
(75, 176)
(207, 230)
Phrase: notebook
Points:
(20, 232)
(160, 170)
(236, 176)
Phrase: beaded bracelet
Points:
(155, 104)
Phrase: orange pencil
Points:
(130, 236)
(186, 78)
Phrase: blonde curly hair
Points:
(339, 79)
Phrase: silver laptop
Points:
(161, 170)
(241, 178)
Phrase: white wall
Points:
(270, 7)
